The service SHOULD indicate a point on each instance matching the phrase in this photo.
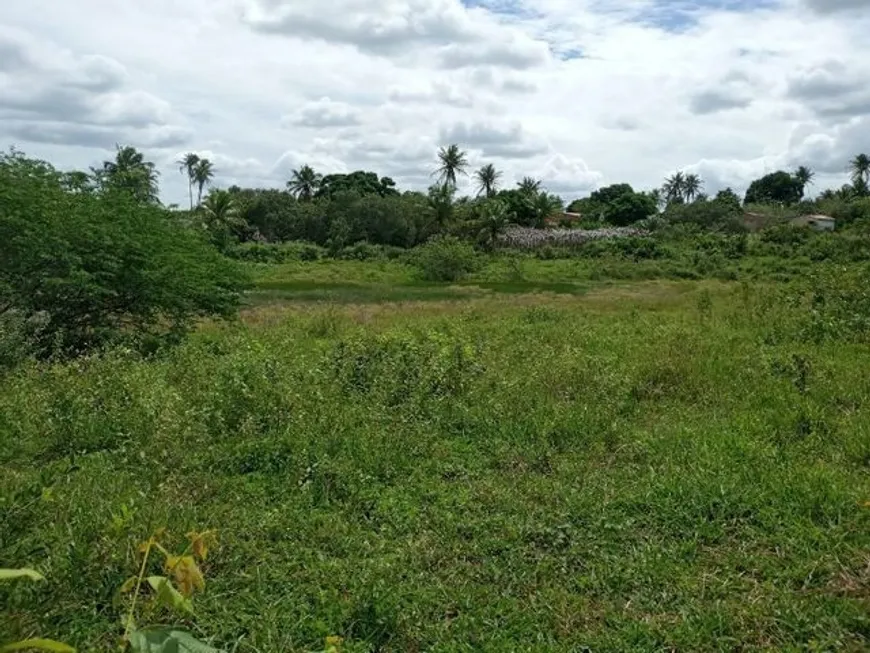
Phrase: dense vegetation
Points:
(426, 430)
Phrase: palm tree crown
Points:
(453, 161)
(187, 165)
(131, 173)
(529, 185)
(487, 180)
(692, 185)
(203, 173)
(860, 168)
(674, 188)
(304, 183)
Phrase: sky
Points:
(577, 93)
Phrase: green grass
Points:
(658, 465)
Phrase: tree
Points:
(629, 208)
(77, 181)
(487, 180)
(304, 183)
(494, 218)
(674, 188)
(543, 206)
(203, 173)
(441, 201)
(103, 268)
(656, 196)
(359, 182)
(220, 215)
(777, 187)
(130, 173)
(860, 168)
(187, 165)
(692, 185)
(728, 199)
(529, 185)
(805, 176)
(452, 161)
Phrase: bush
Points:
(276, 252)
(102, 267)
(445, 258)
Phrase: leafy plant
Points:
(446, 258)
(38, 644)
(171, 592)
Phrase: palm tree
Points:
(220, 215)
(487, 180)
(494, 219)
(203, 173)
(304, 183)
(827, 194)
(131, 173)
(77, 181)
(674, 188)
(543, 206)
(860, 168)
(453, 161)
(529, 185)
(187, 165)
(805, 176)
(861, 187)
(441, 201)
(692, 185)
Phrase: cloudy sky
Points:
(578, 93)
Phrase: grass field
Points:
(532, 460)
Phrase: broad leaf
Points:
(9, 574)
(167, 640)
(167, 596)
(38, 645)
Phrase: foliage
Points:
(360, 182)
(452, 161)
(776, 187)
(304, 183)
(486, 179)
(203, 173)
(170, 593)
(129, 173)
(220, 217)
(398, 473)
(445, 258)
(95, 268)
(188, 165)
(719, 214)
(31, 644)
(628, 209)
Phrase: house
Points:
(817, 222)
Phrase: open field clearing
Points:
(630, 465)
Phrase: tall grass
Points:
(647, 468)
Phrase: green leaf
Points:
(167, 640)
(9, 574)
(39, 645)
(168, 596)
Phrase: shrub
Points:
(445, 258)
(102, 266)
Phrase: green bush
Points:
(445, 258)
(102, 267)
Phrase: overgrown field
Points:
(645, 465)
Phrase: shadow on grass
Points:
(271, 292)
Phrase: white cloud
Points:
(576, 92)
